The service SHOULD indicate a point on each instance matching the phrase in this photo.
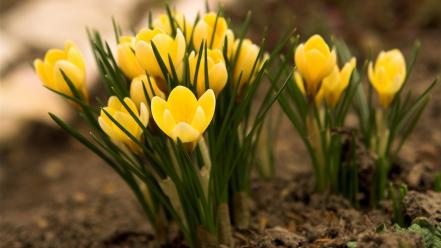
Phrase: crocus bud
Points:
(163, 22)
(387, 75)
(168, 47)
(213, 30)
(126, 57)
(335, 83)
(71, 62)
(182, 116)
(122, 116)
(314, 61)
(137, 93)
(216, 68)
(248, 54)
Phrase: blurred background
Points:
(53, 190)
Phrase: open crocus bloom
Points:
(388, 74)
(126, 57)
(335, 83)
(182, 116)
(71, 62)
(217, 71)
(314, 62)
(171, 51)
(122, 116)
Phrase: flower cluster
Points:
(165, 85)
(317, 103)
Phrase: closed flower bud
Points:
(213, 30)
(126, 57)
(248, 54)
(71, 62)
(137, 93)
(163, 22)
(335, 83)
(167, 47)
(217, 71)
(182, 116)
(387, 75)
(314, 61)
(122, 116)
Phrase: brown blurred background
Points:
(53, 191)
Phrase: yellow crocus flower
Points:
(71, 62)
(167, 47)
(181, 22)
(126, 58)
(137, 89)
(217, 71)
(248, 54)
(314, 61)
(335, 83)
(121, 115)
(183, 116)
(206, 26)
(388, 75)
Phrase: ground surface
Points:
(55, 193)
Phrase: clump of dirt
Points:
(426, 205)
(389, 239)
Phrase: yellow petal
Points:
(129, 124)
(218, 76)
(300, 61)
(53, 55)
(131, 105)
(114, 103)
(182, 104)
(75, 75)
(317, 42)
(158, 107)
(345, 74)
(185, 133)
(208, 103)
(299, 82)
(105, 126)
(41, 72)
(180, 48)
(128, 62)
(199, 121)
(144, 114)
(74, 56)
(168, 123)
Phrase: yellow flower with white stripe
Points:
(387, 75)
(216, 68)
(183, 116)
(123, 117)
(126, 58)
(71, 62)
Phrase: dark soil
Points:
(55, 193)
